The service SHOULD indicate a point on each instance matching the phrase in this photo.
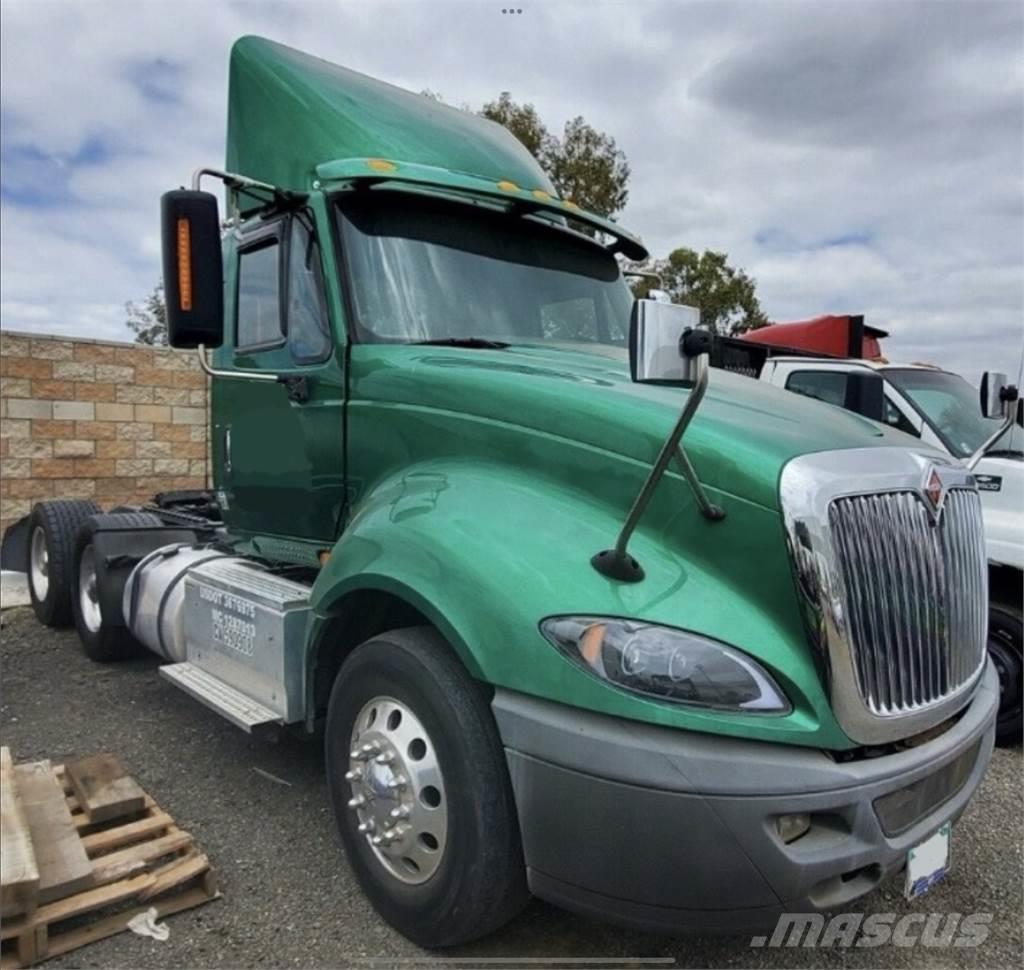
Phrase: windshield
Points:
(949, 404)
(422, 270)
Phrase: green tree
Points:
(584, 164)
(524, 122)
(587, 167)
(725, 296)
(149, 320)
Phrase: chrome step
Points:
(240, 709)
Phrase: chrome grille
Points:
(914, 595)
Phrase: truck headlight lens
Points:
(666, 664)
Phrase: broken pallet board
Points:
(138, 862)
(19, 875)
(63, 865)
(103, 788)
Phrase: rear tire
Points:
(104, 638)
(455, 870)
(49, 561)
(1004, 647)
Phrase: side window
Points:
(309, 337)
(895, 418)
(259, 302)
(827, 386)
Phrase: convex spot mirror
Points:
(193, 268)
(656, 331)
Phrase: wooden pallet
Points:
(139, 862)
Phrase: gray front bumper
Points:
(673, 831)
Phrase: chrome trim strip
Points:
(887, 680)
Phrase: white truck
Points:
(942, 410)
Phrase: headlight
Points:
(666, 664)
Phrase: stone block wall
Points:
(86, 419)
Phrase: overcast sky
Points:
(851, 156)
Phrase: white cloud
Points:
(764, 129)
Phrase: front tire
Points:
(52, 527)
(1004, 647)
(420, 790)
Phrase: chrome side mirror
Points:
(656, 331)
(665, 347)
(998, 400)
(996, 395)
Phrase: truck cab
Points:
(572, 616)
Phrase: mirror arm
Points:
(236, 184)
(707, 508)
(249, 375)
(646, 274)
(617, 563)
(979, 453)
(231, 180)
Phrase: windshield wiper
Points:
(474, 343)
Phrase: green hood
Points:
(743, 434)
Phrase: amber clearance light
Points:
(184, 265)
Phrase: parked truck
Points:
(838, 360)
(572, 618)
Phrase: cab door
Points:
(279, 444)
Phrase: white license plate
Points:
(927, 863)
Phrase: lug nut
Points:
(368, 826)
(357, 802)
(401, 812)
(354, 775)
(399, 782)
(385, 758)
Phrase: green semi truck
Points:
(573, 619)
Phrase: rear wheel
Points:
(420, 791)
(104, 636)
(52, 527)
(1004, 647)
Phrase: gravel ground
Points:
(289, 898)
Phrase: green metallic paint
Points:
(289, 112)
(286, 476)
(482, 482)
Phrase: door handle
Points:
(227, 451)
(297, 387)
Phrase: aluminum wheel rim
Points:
(398, 791)
(39, 563)
(88, 597)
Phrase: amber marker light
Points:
(590, 643)
(184, 265)
(381, 165)
(541, 194)
(506, 186)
